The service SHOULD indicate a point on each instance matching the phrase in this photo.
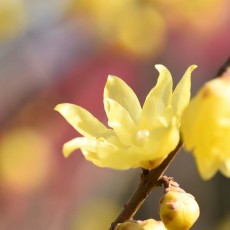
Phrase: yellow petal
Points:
(103, 153)
(161, 142)
(113, 161)
(89, 144)
(120, 92)
(158, 98)
(120, 120)
(207, 167)
(115, 158)
(189, 125)
(82, 120)
(77, 143)
(225, 167)
(181, 94)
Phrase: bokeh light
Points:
(24, 159)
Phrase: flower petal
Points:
(90, 144)
(161, 142)
(207, 166)
(181, 94)
(103, 154)
(120, 92)
(120, 120)
(120, 159)
(158, 98)
(82, 120)
(189, 125)
(225, 167)
(75, 144)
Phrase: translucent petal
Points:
(121, 159)
(181, 94)
(161, 142)
(104, 154)
(120, 120)
(73, 145)
(158, 98)
(189, 125)
(92, 157)
(90, 144)
(120, 92)
(82, 120)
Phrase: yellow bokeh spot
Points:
(134, 25)
(198, 15)
(24, 159)
(96, 214)
(13, 18)
(142, 30)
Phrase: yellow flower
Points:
(137, 137)
(206, 127)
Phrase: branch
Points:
(149, 180)
(223, 68)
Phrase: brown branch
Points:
(149, 180)
(223, 68)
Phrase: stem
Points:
(149, 180)
(223, 68)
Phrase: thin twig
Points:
(223, 68)
(149, 180)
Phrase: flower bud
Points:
(149, 224)
(152, 224)
(178, 210)
(129, 225)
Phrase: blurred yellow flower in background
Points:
(190, 13)
(139, 137)
(13, 18)
(135, 25)
(97, 213)
(142, 30)
(142, 27)
(206, 127)
(25, 157)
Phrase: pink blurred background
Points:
(62, 51)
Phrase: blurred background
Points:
(54, 51)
